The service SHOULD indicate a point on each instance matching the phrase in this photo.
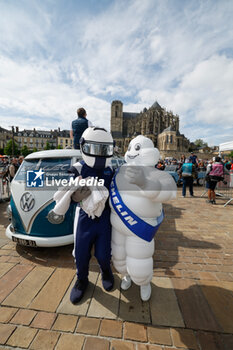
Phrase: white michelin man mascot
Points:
(138, 190)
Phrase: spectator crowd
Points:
(8, 169)
(189, 168)
(200, 164)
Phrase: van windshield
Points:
(53, 167)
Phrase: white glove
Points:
(136, 175)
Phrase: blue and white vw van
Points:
(29, 206)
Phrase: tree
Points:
(200, 143)
(25, 151)
(230, 155)
(59, 147)
(8, 148)
(47, 147)
(35, 149)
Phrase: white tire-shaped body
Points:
(131, 254)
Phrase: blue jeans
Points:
(187, 181)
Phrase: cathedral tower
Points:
(117, 119)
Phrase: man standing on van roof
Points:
(78, 126)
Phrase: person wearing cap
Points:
(188, 173)
(78, 126)
(193, 158)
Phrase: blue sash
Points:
(136, 225)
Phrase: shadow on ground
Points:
(204, 305)
(170, 240)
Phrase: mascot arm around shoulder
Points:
(151, 184)
(137, 192)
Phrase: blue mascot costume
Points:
(96, 145)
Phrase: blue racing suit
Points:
(96, 231)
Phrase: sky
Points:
(58, 55)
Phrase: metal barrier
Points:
(205, 189)
(224, 189)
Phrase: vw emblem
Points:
(27, 201)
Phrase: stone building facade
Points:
(33, 138)
(36, 139)
(63, 139)
(5, 136)
(161, 126)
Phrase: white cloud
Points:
(205, 93)
(178, 53)
(37, 89)
(24, 27)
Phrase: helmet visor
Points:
(97, 149)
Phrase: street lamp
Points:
(13, 142)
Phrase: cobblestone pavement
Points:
(192, 296)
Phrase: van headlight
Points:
(9, 212)
(55, 218)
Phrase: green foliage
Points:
(25, 151)
(230, 155)
(200, 143)
(35, 149)
(59, 147)
(8, 148)
(47, 147)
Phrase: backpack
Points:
(215, 171)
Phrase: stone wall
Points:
(177, 155)
(172, 141)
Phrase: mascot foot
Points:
(145, 292)
(107, 279)
(126, 282)
(78, 291)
